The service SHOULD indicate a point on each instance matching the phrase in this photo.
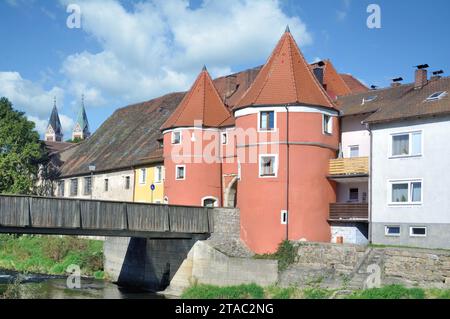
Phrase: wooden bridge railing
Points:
(43, 212)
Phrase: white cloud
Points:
(160, 46)
(343, 13)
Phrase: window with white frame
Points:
(406, 144)
(418, 231)
(74, 187)
(106, 184)
(284, 217)
(87, 186)
(61, 188)
(267, 120)
(406, 192)
(392, 231)
(142, 175)
(327, 124)
(209, 202)
(354, 151)
(158, 174)
(176, 137)
(180, 172)
(127, 182)
(268, 165)
(224, 138)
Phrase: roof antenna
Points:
(287, 29)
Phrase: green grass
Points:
(251, 291)
(389, 292)
(285, 255)
(51, 254)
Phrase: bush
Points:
(285, 255)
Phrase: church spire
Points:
(54, 129)
(81, 129)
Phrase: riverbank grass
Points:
(253, 291)
(51, 254)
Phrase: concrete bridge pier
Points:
(148, 263)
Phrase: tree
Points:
(21, 151)
(76, 140)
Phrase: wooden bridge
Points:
(61, 216)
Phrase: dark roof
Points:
(398, 103)
(128, 138)
(54, 121)
(55, 147)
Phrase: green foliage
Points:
(51, 254)
(20, 151)
(251, 291)
(438, 294)
(275, 292)
(76, 140)
(316, 293)
(389, 292)
(285, 255)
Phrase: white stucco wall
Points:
(354, 133)
(433, 167)
(116, 190)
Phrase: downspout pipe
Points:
(370, 183)
(287, 172)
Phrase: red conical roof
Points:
(286, 78)
(201, 103)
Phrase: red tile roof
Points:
(333, 83)
(355, 85)
(201, 103)
(286, 78)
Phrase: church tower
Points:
(81, 129)
(54, 130)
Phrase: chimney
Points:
(318, 71)
(396, 82)
(421, 78)
(436, 75)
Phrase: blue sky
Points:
(131, 51)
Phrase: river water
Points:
(34, 286)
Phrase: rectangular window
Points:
(61, 190)
(224, 138)
(180, 173)
(267, 120)
(268, 165)
(176, 137)
(407, 144)
(408, 192)
(74, 187)
(327, 124)
(354, 151)
(353, 195)
(127, 182)
(392, 231)
(106, 184)
(87, 186)
(284, 217)
(142, 175)
(158, 174)
(418, 231)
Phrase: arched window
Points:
(210, 202)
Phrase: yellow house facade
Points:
(149, 184)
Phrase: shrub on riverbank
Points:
(51, 254)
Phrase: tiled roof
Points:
(354, 84)
(202, 103)
(286, 78)
(130, 136)
(55, 147)
(398, 103)
(333, 83)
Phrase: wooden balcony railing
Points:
(349, 166)
(349, 212)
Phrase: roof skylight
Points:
(369, 99)
(437, 96)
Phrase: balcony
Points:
(342, 168)
(349, 212)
